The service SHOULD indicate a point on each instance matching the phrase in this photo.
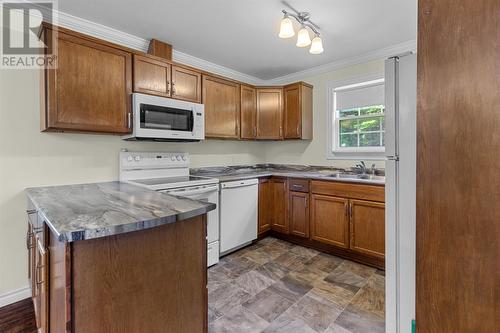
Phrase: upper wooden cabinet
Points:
(248, 112)
(367, 227)
(151, 76)
(269, 113)
(90, 89)
(222, 108)
(297, 120)
(186, 84)
(158, 77)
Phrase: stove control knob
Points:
(130, 159)
(137, 158)
(178, 157)
(184, 158)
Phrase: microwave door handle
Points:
(191, 120)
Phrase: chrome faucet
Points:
(361, 166)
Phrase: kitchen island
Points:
(113, 257)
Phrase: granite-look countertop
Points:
(238, 172)
(87, 211)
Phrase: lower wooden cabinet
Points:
(280, 206)
(273, 206)
(299, 214)
(330, 220)
(367, 227)
(265, 205)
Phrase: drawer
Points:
(298, 185)
(349, 190)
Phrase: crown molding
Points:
(386, 52)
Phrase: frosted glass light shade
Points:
(286, 28)
(303, 38)
(316, 46)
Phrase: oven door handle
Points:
(194, 191)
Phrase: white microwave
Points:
(164, 119)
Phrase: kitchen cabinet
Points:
(222, 107)
(299, 214)
(297, 120)
(329, 220)
(248, 112)
(143, 272)
(151, 76)
(91, 87)
(269, 113)
(186, 84)
(273, 205)
(367, 227)
(158, 77)
(280, 205)
(265, 205)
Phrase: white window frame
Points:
(334, 151)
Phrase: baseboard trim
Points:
(14, 296)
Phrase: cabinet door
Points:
(248, 112)
(269, 114)
(186, 84)
(280, 204)
(41, 298)
(329, 220)
(299, 214)
(91, 88)
(265, 205)
(367, 227)
(151, 76)
(292, 114)
(222, 107)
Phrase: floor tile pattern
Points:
(275, 286)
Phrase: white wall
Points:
(30, 158)
(314, 152)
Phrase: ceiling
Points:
(243, 35)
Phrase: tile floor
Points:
(275, 286)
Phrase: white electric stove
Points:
(169, 173)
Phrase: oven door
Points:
(166, 119)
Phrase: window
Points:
(356, 118)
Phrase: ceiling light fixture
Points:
(303, 38)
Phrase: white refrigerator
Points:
(400, 151)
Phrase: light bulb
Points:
(286, 28)
(316, 45)
(303, 38)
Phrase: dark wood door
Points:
(330, 220)
(458, 178)
(248, 112)
(222, 107)
(151, 76)
(269, 113)
(292, 111)
(186, 84)
(280, 205)
(91, 88)
(266, 206)
(299, 214)
(367, 227)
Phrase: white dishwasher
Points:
(238, 214)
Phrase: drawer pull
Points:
(38, 278)
(31, 211)
(297, 187)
